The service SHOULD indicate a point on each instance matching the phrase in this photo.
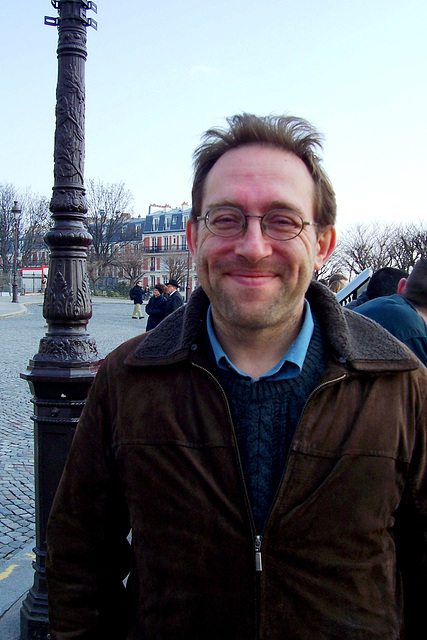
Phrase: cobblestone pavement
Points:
(111, 324)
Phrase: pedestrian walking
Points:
(137, 295)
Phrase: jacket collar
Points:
(177, 336)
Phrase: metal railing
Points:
(354, 288)
(164, 249)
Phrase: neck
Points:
(255, 352)
(422, 311)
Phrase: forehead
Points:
(256, 175)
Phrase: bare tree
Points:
(8, 195)
(364, 246)
(409, 244)
(35, 223)
(107, 206)
(177, 266)
(376, 246)
(131, 262)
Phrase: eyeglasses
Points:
(278, 224)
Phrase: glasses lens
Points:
(225, 221)
(282, 224)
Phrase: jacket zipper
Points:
(257, 539)
(258, 556)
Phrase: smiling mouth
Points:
(251, 278)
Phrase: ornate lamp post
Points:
(16, 212)
(62, 371)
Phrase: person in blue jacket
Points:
(404, 314)
(156, 307)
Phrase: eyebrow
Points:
(275, 204)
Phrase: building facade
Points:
(151, 249)
(165, 249)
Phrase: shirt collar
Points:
(288, 367)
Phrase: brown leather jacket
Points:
(344, 549)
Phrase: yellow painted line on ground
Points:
(9, 570)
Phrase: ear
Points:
(401, 286)
(191, 235)
(326, 241)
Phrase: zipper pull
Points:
(258, 558)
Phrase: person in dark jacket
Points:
(156, 307)
(404, 313)
(265, 447)
(174, 299)
(137, 295)
(382, 283)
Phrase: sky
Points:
(158, 74)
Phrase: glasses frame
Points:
(304, 223)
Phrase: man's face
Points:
(170, 288)
(252, 280)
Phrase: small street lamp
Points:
(16, 211)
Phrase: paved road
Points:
(111, 324)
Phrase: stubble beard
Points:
(244, 311)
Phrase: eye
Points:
(282, 220)
(224, 219)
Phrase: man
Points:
(174, 299)
(382, 283)
(264, 446)
(404, 314)
(137, 295)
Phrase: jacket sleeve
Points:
(88, 553)
(411, 536)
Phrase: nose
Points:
(252, 244)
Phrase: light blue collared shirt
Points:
(289, 366)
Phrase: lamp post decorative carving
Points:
(16, 212)
(61, 373)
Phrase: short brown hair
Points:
(288, 133)
(416, 285)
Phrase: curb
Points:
(21, 309)
(9, 309)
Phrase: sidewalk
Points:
(9, 308)
(16, 578)
(16, 571)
